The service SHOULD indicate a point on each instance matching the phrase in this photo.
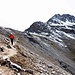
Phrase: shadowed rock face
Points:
(38, 27)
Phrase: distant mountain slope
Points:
(56, 37)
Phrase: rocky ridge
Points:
(23, 58)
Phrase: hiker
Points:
(11, 36)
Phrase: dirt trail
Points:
(8, 52)
(6, 71)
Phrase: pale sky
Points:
(20, 14)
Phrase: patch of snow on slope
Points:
(68, 35)
(69, 23)
(43, 33)
(49, 27)
(5, 57)
(61, 23)
(15, 65)
(56, 40)
(37, 34)
(56, 34)
(56, 24)
(53, 38)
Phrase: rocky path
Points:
(6, 51)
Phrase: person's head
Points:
(10, 33)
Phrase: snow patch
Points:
(5, 57)
(15, 65)
(53, 37)
(19, 74)
(43, 33)
(61, 23)
(68, 35)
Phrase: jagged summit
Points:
(64, 17)
(64, 20)
(61, 19)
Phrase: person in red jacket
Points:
(11, 36)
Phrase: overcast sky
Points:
(20, 14)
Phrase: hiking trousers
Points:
(12, 41)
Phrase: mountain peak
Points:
(64, 20)
(59, 19)
(38, 27)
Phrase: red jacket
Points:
(11, 36)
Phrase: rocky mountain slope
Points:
(30, 55)
(56, 37)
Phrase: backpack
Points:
(11, 36)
